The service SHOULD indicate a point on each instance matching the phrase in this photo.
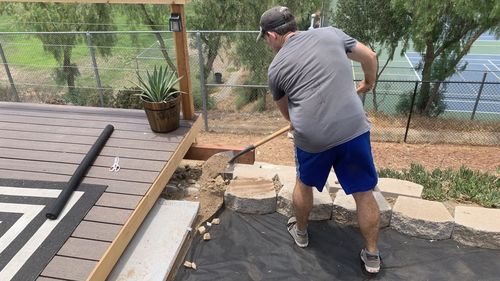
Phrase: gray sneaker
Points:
(371, 262)
(301, 239)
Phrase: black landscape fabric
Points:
(258, 247)
(55, 240)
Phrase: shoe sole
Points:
(368, 271)
(301, 245)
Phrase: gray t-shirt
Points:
(313, 71)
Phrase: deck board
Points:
(69, 268)
(116, 200)
(69, 169)
(121, 134)
(97, 231)
(48, 142)
(123, 187)
(83, 248)
(127, 150)
(76, 158)
(75, 139)
(108, 215)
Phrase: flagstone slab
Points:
(422, 218)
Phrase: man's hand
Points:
(364, 87)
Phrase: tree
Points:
(43, 17)
(242, 48)
(376, 24)
(255, 58)
(443, 32)
(213, 15)
(156, 18)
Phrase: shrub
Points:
(127, 98)
(89, 97)
(440, 185)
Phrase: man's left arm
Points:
(368, 60)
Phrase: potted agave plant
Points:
(160, 99)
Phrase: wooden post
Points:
(182, 58)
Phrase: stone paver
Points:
(251, 196)
(422, 218)
(396, 187)
(322, 203)
(264, 171)
(411, 215)
(479, 227)
(149, 258)
(344, 209)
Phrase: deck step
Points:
(153, 251)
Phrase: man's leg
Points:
(302, 203)
(368, 218)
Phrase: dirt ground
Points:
(386, 154)
(198, 180)
(194, 180)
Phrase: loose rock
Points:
(202, 230)
(206, 236)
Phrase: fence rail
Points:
(228, 72)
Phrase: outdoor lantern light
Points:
(175, 22)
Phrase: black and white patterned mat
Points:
(28, 240)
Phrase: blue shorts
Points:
(352, 162)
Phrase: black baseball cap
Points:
(273, 18)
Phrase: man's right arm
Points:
(282, 105)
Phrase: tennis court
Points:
(464, 89)
(476, 66)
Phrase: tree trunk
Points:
(432, 96)
(159, 38)
(379, 73)
(213, 50)
(426, 74)
(68, 70)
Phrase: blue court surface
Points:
(461, 96)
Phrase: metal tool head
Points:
(214, 163)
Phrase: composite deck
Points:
(47, 142)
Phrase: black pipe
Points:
(80, 172)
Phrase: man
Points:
(311, 81)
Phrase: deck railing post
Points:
(96, 70)
(9, 76)
(203, 88)
(478, 96)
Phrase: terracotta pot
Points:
(163, 117)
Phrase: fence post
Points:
(411, 110)
(203, 89)
(7, 70)
(478, 96)
(96, 70)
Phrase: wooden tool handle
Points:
(275, 134)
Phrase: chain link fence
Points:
(229, 75)
(82, 68)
